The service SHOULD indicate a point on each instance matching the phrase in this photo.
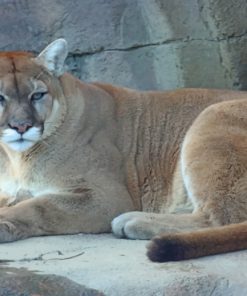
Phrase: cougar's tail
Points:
(210, 241)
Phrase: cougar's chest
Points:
(13, 190)
(19, 181)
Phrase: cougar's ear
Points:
(53, 56)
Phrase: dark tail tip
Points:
(165, 249)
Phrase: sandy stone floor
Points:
(120, 267)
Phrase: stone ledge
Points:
(120, 267)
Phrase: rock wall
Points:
(145, 44)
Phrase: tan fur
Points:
(104, 150)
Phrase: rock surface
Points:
(137, 43)
(120, 267)
(20, 282)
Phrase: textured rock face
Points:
(158, 44)
(20, 282)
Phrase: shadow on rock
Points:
(21, 282)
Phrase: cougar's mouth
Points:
(21, 142)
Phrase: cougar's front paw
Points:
(8, 232)
(131, 225)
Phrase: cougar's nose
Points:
(20, 126)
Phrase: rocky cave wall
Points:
(144, 44)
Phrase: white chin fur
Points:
(20, 146)
(11, 138)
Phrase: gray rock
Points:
(137, 43)
(21, 282)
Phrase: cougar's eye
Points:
(38, 96)
(2, 99)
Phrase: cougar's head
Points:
(30, 94)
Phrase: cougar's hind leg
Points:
(214, 170)
(214, 167)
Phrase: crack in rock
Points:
(165, 42)
(41, 257)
